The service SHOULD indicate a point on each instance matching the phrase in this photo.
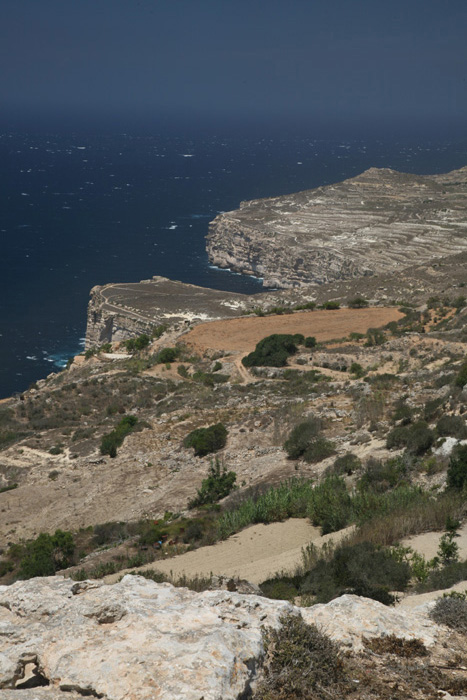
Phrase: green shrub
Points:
(113, 440)
(46, 554)
(432, 408)
(310, 341)
(357, 370)
(207, 440)
(301, 437)
(358, 303)
(318, 449)
(167, 355)
(362, 569)
(273, 350)
(457, 470)
(451, 611)
(402, 412)
(416, 438)
(381, 476)
(218, 485)
(331, 305)
(374, 336)
(137, 344)
(451, 426)
(330, 505)
(444, 577)
(461, 378)
(346, 464)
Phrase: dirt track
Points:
(255, 553)
(242, 334)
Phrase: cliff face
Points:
(371, 224)
(119, 311)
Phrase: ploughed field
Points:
(242, 334)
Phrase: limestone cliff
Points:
(374, 223)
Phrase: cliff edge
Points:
(374, 223)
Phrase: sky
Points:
(360, 61)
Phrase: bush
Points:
(137, 344)
(318, 449)
(416, 438)
(301, 662)
(457, 470)
(381, 476)
(46, 554)
(374, 336)
(451, 611)
(358, 303)
(273, 350)
(347, 464)
(361, 569)
(357, 370)
(113, 440)
(166, 355)
(310, 341)
(301, 437)
(207, 440)
(218, 485)
(461, 379)
(331, 305)
(451, 426)
(329, 505)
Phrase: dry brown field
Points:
(242, 334)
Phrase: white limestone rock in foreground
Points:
(134, 639)
(141, 640)
(350, 618)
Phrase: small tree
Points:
(216, 486)
(207, 440)
(457, 470)
(358, 303)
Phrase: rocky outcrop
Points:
(142, 640)
(375, 223)
(119, 311)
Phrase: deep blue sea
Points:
(80, 210)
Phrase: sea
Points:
(84, 209)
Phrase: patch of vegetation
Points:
(346, 464)
(390, 644)
(166, 355)
(196, 583)
(416, 438)
(380, 476)
(207, 440)
(451, 610)
(301, 437)
(137, 344)
(10, 487)
(457, 470)
(218, 484)
(113, 440)
(374, 337)
(461, 378)
(273, 351)
(45, 555)
(453, 426)
(301, 662)
(358, 303)
(331, 305)
(106, 347)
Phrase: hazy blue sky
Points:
(339, 60)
